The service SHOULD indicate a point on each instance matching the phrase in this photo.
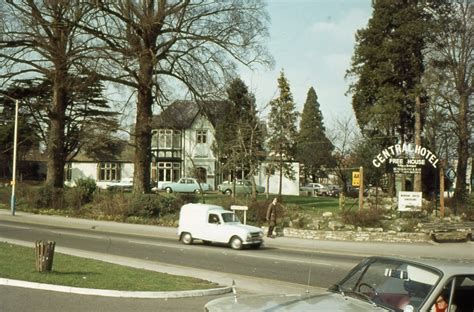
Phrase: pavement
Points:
(457, 251)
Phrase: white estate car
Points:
(211, 223)
(376, 284)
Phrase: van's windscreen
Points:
(230, 217)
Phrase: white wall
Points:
(81, 170)
(199, 155)
(289, 187)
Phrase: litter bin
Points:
(44, 256)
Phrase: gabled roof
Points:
(181, 114)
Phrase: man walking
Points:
(272, 217)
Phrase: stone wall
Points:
(359, 236)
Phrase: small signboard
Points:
(355, 178)
(450, 174)
(244, 208)
(409, 201)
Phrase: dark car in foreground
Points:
(375, 284)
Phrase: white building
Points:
(182, 138)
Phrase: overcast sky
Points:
(312, 41)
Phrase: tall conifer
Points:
(282, 130)
(313, 147)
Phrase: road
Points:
(286, 265)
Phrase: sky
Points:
(312, 41)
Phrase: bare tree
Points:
(452, 60)
(344, 136)
(151, 43)
(41, 39)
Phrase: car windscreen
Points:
(390, 283)
(230, 217)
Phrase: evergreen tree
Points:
(239, 136)
(89, 121)
(282, 131)
(26, 136)
(314, 149)
(388, 67)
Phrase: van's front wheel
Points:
(187, 239)
(236, 243)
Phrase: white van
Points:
(211, 223)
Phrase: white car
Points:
(126, 184)
(211, 223)
(316, 188)
(376, 284)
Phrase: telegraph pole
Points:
(15, 141)
(361, 188)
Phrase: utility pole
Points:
(361, 189)
(15, 141)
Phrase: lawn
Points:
(310, 204)
(18, 262)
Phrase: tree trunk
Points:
(417, 185)
(44, 256)
(280, 186)
(56, 156)
(463, 152)
(142, 158)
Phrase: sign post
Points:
(441, 191)
(244, 208)
(361, 188)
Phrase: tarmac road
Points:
(23, 299)
(16, 299)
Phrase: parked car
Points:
(241, 187)
(354, 192)
(185, 185)
(211, 223)
(334, 190)
(375, 284)
(125, 184)
(315, 188)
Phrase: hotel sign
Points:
(406, 158)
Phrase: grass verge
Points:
(18, 262)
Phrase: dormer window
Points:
(201, 136)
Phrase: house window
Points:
(109, 172)
(168, 139)
(168, 171)
(201, 136)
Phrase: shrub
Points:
(187, 198)
(88, 187)
(107, 204)
(42, 197)
(145, 205)
(80, 195)
(364, 218)
(74, 198)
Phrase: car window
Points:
(230, 217)
(460, 298)
(213, 218)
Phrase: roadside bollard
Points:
(44, 256)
